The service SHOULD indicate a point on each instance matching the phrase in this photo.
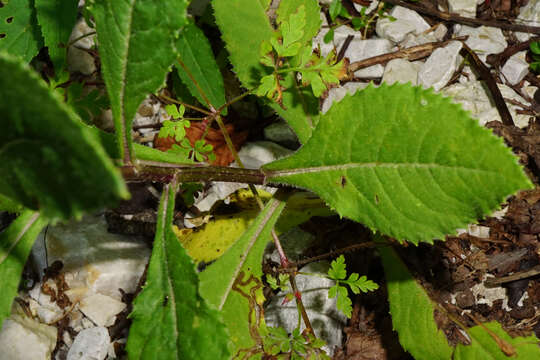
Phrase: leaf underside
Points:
(56, 19)
(245, 255)
(412, 311)
(244, 26)
(137, 48)
(15, 245)
(170, 319)
(34, 142)
(195, 52)
(19, 28)
(404, 161)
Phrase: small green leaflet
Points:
(20, 30)
(36, 171)
(174, 129)
(15, 245)
(412, 311)
(338, 273)
(137, 48)
(312, 18)
(291, 32)
(408, 163)
(170, 319)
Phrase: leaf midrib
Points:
(126, 148)
(370, 165)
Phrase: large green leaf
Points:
(19, 31)
(244, 256)
(412, 311)
(46, 155)
(404, 161)
(170, 319)
(490, 342)
(195, 52)
(137, 48)
(56, 18)
(15, 245)
(244, 25)
(313, 19)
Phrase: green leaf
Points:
(137, 48)
(337, 269)
(244, 256)
(15, 245)
(412, 311)
(405, 161)
(46, 155)
(19, 30)
(7, 204)
(244, 26)
(335, 9)
(87, 106)
(344, 303)
(170, 319)
(301, 108)
(535, 47)
(241, 38)
(312, 10)
(56, 18)
(196, 54)
(489, 341)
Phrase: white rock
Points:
(484, 40)
(372, 6)
(437, 34)
(150, 112)
(79, 60)
(294, 242)
(280, 132)
(23, 338)
(363, 49)
(402, 71)
(253, 156)
(340, 35)
(90, 344)
(475, 230)
(515, 68)
(44, 308)
(528, 15)
(440, 66)
(327, 321)
(101, 309)
(393, 30)
(96, 261)
(407, 21)
(336, 94)
(474, 98)
(485, 295)
(465, 8)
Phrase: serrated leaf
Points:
(196, 54)
(19, 30)
(484, 346)
(56, 19)
(337, 269)
(15, 245)
(137, 48)
(170, 319)
(344, 303)
(244, 26)
(312, 10)
(244, 256)
(46, 154)
(412, 311)
(405, 161)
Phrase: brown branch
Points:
(465, 20)
(484, 72)
(411, 54)
(496, 60)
